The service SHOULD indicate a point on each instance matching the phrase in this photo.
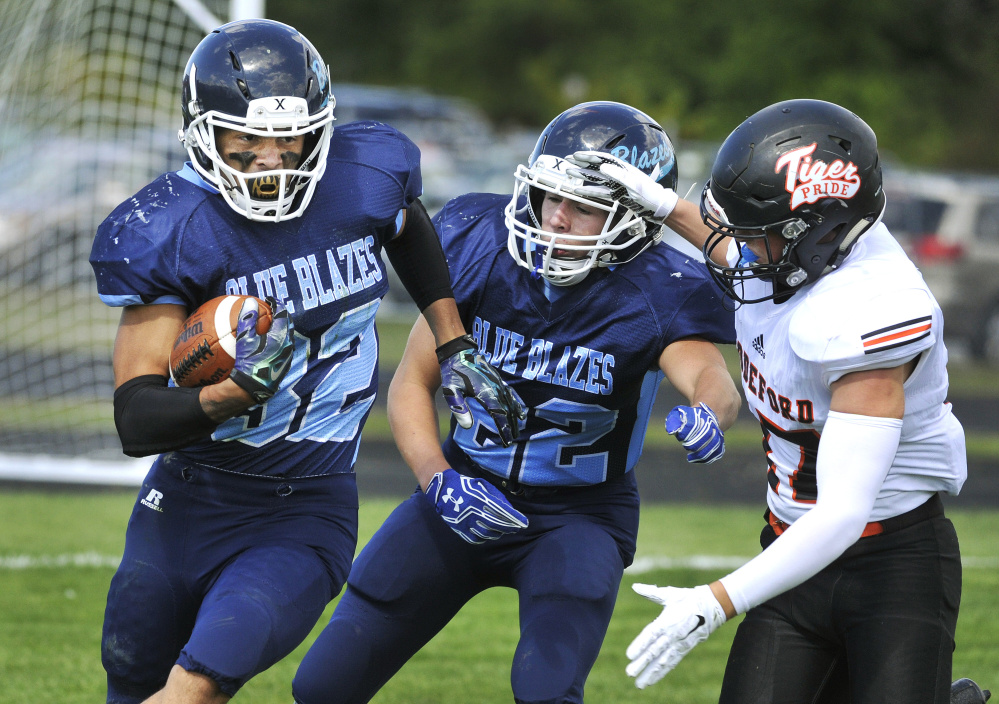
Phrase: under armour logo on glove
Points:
(465, 374)
(487, 514)
(689, 616)
(449, 496)
(698, 431)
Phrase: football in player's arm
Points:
(569, 292)
(246, 524)
(855, 595)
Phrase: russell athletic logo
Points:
(152, 500)
(807, 181)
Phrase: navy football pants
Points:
(415, 574)
(222, 574)
(883, 614)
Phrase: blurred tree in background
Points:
(924, 74)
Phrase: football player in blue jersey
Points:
(246, 524)
(572, 296)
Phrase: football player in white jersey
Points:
(855, 596)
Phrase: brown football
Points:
(205, 350)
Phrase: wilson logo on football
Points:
(188, 332)
(807, 181)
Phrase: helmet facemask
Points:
(267, 196)
(814, 243)
(621, 238)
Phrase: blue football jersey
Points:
(586, 362)
(177, 241)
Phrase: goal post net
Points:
(89, 111)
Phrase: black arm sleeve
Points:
(418, 259)
(152, 417)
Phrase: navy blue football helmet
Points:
(264, 78)
(614, 128)
(805, 170)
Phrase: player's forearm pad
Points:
(418, 259)
(152, 418)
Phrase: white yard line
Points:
(640, 566)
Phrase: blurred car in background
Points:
(949, 226)
(58, 190)
(460, 150)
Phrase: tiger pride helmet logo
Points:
(807, 181)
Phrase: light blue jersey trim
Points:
(399, 219)
(650, 387)
(134, 299)
(189, 174)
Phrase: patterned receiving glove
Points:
(465, 373)
(473, 508)
(621, 181)
(262, 360)
(698, 431)
(689, 616)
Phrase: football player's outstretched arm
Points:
(613, 178)
(697, 370)
(685, 220)
(858, 445)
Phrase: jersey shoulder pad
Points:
(140, 246)
(377, 146)
(864, 318)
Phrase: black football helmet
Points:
(615, 128)
(805, 170)
(264, 78)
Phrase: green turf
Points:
(50, 616)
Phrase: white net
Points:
(89, 110)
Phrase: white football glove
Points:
(618, 180)
(689, 616)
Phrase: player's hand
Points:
(465, 374)
(689, 616)
(698, 431)
(473, 508)
(262, 360)
(617, 179)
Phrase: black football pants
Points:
(883, 615)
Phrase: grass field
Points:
(58, 551)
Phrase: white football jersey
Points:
(875, 311)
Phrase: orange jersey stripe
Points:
(895, 336)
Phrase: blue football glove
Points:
(466, 374)
(697, 430)
(473, 508)
(262, 360)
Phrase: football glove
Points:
(262, 360)
(689, 616)
(466, 374)
(698, 431)
(473, 508)
(618, 180)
